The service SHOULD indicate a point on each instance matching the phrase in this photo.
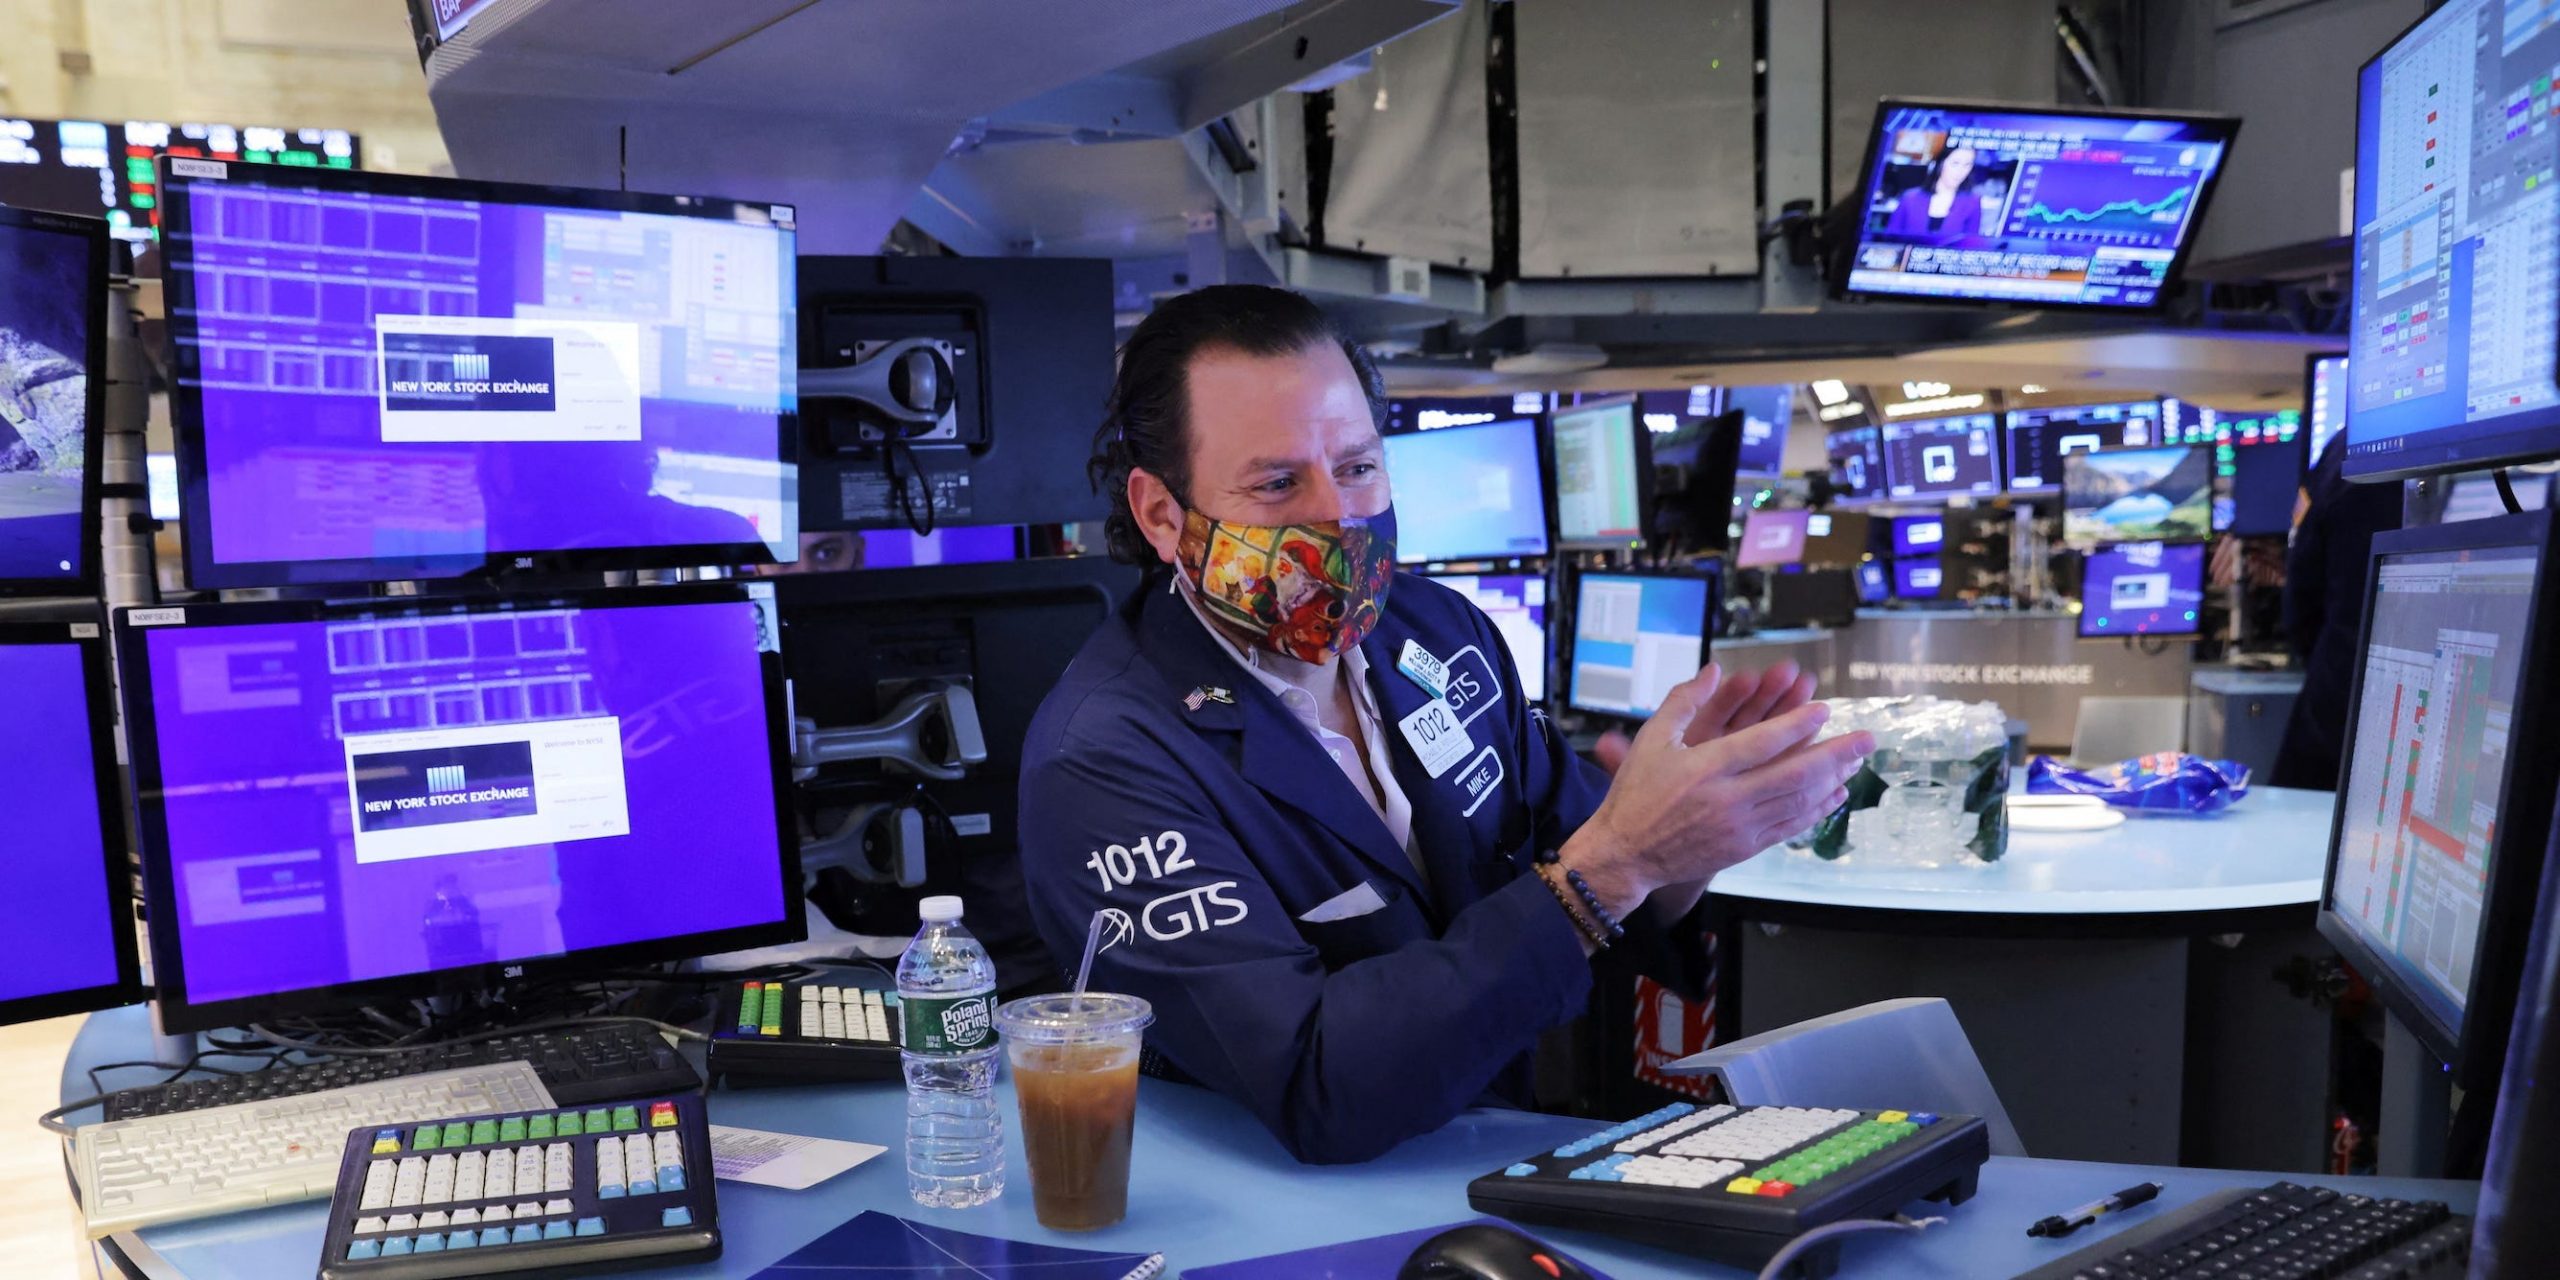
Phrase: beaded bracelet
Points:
(1582, 925)
(1592, 900)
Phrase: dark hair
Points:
(1147, 422)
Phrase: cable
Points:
(893, 449)
(2507, 492)
(1831, 1231)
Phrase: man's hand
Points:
(1739, 703)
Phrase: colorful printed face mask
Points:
(1306, 591)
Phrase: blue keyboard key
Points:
(493, 1235)
(527, 1233)
(590, 1226)
(397, 1246)
(364, 1249)
(670, 1179)
(1520, 1171)
(676, 1216)
(462, 1240)
(1924, 1117)
(555, 1230)
(610, 1191)
(432, 1242)
(644, 1187)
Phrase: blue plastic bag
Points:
(2164, 782)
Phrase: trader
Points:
(1323, 832)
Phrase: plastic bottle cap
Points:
(938, 910)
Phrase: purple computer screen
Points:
(1919, 535)
(2143, 588)
(901, 548)
(58, 915)
(368, 797)
(1772, 537)
(46, 308)
(1919, 578)
(396, 386)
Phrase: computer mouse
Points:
(1483, 1251)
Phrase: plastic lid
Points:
(942, 909)
(1066, 1018)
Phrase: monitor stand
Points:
(2417, 1106)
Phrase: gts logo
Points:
(1464, 688)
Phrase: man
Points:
(1354, 873)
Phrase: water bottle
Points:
(947, 999)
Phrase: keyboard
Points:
(1737, 1183)
(540, 1190)
(195, 1164)
(804, 1033)
(2280, 1232)
(594, 1064)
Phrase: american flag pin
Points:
(1205, 694)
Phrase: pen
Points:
(2070, 1220)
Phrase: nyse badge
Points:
(1206, 694)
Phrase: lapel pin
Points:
(1205, 694)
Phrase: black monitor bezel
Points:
(1644, 477)
(1541, 444)
(1924, 497)
(98, 693)
(186, 397)
(2310, 385)
(2204, 570)
(1567, 643)
(175, 1012)
(2092, 544)
(90, 566)
(1885, 106)
(2473, 1052)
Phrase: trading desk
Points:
(1207, 1186)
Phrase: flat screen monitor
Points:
(2445, 801)
(2143, 589)
(900, 548)
(1981, 202)
(1604, 477)
(1874, 582)
(2258, 461)
(1772, 538)
(1469, 493)
(1635, 635)
(2040, 438)
(1766, 413)
(105, 169)
(1835, 537)
(388, 377)
(1928, 458)
(2452, 335)
(1857, 463)
(2324, 399)
(2138, 495)
(53, 347)
(367, 800)
(1919, 578)
(68, 914)
(1919, 535)
(1517, 604)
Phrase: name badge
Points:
(1438, 740)
(1420, 667)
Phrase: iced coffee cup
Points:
(1075, 1072)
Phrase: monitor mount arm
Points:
(933, 733)
(900, 389)
(882, 842)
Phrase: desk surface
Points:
(1209, 1186)
(2269, 850)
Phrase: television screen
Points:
(2058, 208)
(1634, 637)
(2038, 438)
(1919, 535)
(2257, 468)
(53, 316)
(1773, 538)
(2325, 402)
(1766, 412)
(2143, 589)
(2452, 335)
(1517, 605)
(1918, 578)
(975, 544)
(1873, 582)
(1601, 458)
(1469, 493)
(1942, 457)
(104, 170)
(2138, 495)
(1857, 463)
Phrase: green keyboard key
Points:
(483, 1131)
(538, 1127)
(511, 1129)
(425, 1139)
(599, 1121)
(626, 1119)
(456, 1134)
(568, 1126)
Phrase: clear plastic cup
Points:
(1075, 1074)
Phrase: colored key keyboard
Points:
(1736, 1183)
(785, 1033)
(621, 1185)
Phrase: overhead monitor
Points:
(1919, 535)
(1919, 578)
(2143, 589)
(1772, 538)
(388, 377)
(1857, 463)
(2040, 438)
(2445, 802)
(1767, 410)
(1836, 538)
(1928, 458)
(104, 168)
(1635, 636)
(1604, 480)
(1874, 582)
(2138, 495)
(2324, 398)
(68, 914)
(1981, 202)
(53, 352)
(2258, 463)
(368, 800)
(1517, 605)
(1469, 493)
(2452, 334)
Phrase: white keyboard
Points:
(194, 1164)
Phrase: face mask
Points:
(1305, 591)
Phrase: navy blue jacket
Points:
(1211, 825)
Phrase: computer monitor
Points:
(1875, 583)
(2040, 438)
(68, 914)
(1604, 476)
(1919, 535)
(389, 377)
(2452, 336)
(2138, 495)
(1857, 463)
(2143, 589)
(2445, 802)
(1767, 411)
(104, 169)
(1517, 604)
(2324, 399)
(1918, 578)
(900, 548)
(2053, 207)
(53, 354)
(1469, 493)
(1772, 538)
(1928, 458)
(373, 800)
(1826, 597)
(1836, 537)
(1635, 636)
(2258, 465)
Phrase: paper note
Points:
(784, 1160)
